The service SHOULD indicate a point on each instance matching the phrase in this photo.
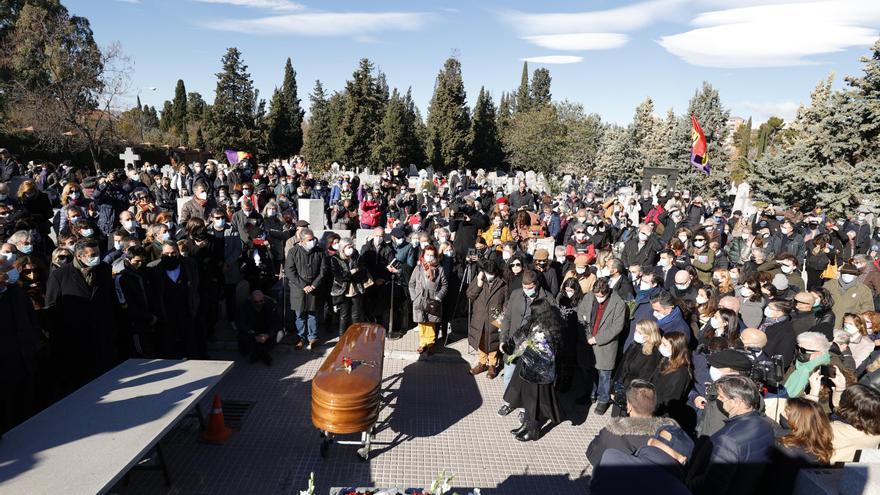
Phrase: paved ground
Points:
(439, 417)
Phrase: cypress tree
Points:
(416, 131)
(166, 119)
(178, 111)
(318, 146)
(485, 144)
(362, 110)
(291, 141)
(231, 124)
(394, 142)
(638, 151)
(279, 139)
(523, 94)
(448, 120)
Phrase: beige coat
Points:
(847, 440)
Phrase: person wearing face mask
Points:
(686, 287)
(347, 289)
(278, 232)
(734, 459)
(19, 338)
(428, 282)
(497, 233)
(642, 249)
(199, 206)
(860, 345)
(668, 315)
(672, 378)
(849, 295)
(672, 222)
(306, 270)
(640, 359)
(725, 362)
(137, 319)
(82, 345)
(174, 285)
(581, 272)
(580, 244)
(791, 242)
(868, 275)
(702, 258)
(488, 296)
(603, 316)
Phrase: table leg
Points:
(161, 455)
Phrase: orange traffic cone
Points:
(217, 432)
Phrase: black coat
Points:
(636, 365)
(83, 330)
(482, 334)
(304, 268)
(781, 340)
(671, 391)
(132, 288)
(19, 334)
(624, 434)
(645, 256)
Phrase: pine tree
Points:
(195, 107)
(336, 108)
(362, 111)
(394, 142)
(291, 141)
(200, 140)
(540, 87)
(448, 120)
(416, 131)
(178, 112)
(766, 134)
(231, 124)
(505, 113)
(537, 142)
(485, 145)
(583, 137)
(523, 102)
(638, 151)
(318, 146)
(279, 139)
(612, 153)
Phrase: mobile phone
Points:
(472, 252)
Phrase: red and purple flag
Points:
(699, 147)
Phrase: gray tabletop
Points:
(87, 441)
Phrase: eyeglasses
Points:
(516, 264)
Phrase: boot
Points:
(531, 433)
(522, 429)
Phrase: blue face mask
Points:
(12, 276)
(27, 249)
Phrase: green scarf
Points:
(799, 379)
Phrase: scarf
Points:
(87, 272)
(771, 321)
(800, 377)
(847, 286)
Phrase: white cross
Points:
(129, 157)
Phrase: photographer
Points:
(465, 224)
(722, 363)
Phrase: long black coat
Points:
(483, 300)
(304, 268)
(83, 331)
(18, 334)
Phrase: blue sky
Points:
(763, 56)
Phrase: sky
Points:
(764, 57)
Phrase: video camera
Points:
(768, 372)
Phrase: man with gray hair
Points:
(734, 458)
(306, 270)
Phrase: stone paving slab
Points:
(439, 417)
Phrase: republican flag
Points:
(699, 153)
(236, 156)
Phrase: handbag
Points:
(830, 272)
(433, 307)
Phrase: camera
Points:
(771, 371)
(711, 391)
(471, 255)
(396, 264)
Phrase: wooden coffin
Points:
(348, 401)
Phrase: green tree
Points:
(279, 126)
(505, 113)
(612, 153)
(361, 118)
(540, 87)
(638, 151)
(200, 140)
(166, 119)
(448, 120)
(195, 106)
(415, 131)
(583, 134)
(523, 102)
(766, 134)
(57, 79)
(336, 108)
(290, 142)
(231, 123)
(318, 146)
(178, 113)
(538, 142)
(485, 145)
(394, 143)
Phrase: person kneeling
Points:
(258, 323)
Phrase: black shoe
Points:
(505, 410)
(601, 407)
(583, 400)
(530, 435)
(519, 431)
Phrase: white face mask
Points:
(701, 300)
(580, 270)
(851, 329)
(665, 351)
(643, 236)
(93, 261)
(645, 285)
(335, 246)
(349, 251)
(746, 292)
(429, 258)
(489, 277)
(716, 323)
(423, 244)
(570, 293)
(309, 245)
(220, 223)
(530, 292)
(270, 212)
(682, 286)
(847, 278)
(638, 338)
(683, 238)
(202, 195)
(506, 255)
(768, 312)
(662, 263)
(786, 269)
(130, 224)
(87, 232)
(658, 315)
(714, 373)
(601, 299)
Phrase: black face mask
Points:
(721, 409)
(783, 423)
(802, 356)
(170, 262)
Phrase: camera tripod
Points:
(466, 279)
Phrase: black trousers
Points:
(349, 310)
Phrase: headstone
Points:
(413, 170)
(312, 211)
(547, 243)
(129, 157)
(167, 170)
(413, 182)
(334, 166)
(743, 200)
(361, 238)
(531, 178)
(180, 202)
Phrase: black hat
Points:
(729, 358)
(398, 233)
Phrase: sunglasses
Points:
(516, 264)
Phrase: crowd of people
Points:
(721, 341)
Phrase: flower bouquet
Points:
(496, 315)
(537, 359)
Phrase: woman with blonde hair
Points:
(642, 358)
(722, 281)
(496, 234)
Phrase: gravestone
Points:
(167, 170)
(361, 238)
(129, 158)
(180, 202)
(312, 211)
(413, 170)
(743, 200)
(664, 177)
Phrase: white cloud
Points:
(279, 5)
(627, 18)
(761, 111)
(327, 23)
(776, 35)
(554, 59)
(579, 41)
